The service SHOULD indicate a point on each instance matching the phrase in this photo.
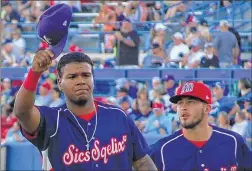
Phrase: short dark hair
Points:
(73, 57)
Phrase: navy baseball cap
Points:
(53, 27)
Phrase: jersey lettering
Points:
(74, 155)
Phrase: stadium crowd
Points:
(147, 103)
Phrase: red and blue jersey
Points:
(114, 140)
(224, 151)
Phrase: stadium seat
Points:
(16, 73)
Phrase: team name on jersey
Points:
(232, 168)
(74, 155)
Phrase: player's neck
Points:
(85, 109)
(201, 132)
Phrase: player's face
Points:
(77, 82)
(191, 112)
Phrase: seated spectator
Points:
(245, 94)
(125, 104)
(157, 34)
(157, 87)
(248, 131)
(146, 112)
(44, 98)
(8, 13)
(56, 98)
(204, 31)
(209, 60)
(129, 85)
(8, 57)
(14, 134)
(5, 93)
(156, 59)
(195, 55)
(226, 104)
(177, 6)
(169, 88)
(19, 45)
(136, 11)
(123, 92)
(178, 51)
(240, 123)
(223, 121)
(159, 123)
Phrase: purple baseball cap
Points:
(53, 27)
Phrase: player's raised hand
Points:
(42, 61)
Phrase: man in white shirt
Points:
(178, 51)
(196, 54)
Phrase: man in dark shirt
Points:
(210, 60)
(10, 13)
(127, 45)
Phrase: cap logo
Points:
(65, 23)
(48, 40)
(188, 87)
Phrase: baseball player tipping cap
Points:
(193, 89)
(53, 27)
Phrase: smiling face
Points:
(192, 112)
(77, 82)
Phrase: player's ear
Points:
(59, 83)
(208, 108)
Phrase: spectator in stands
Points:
(123, 92)
(238, 37)
(209, 60)
(19, 45)
(158, 123)
(223, 121)
(193, 59)
(240, 123)
(5, 93)
(7, 54)
(204, 31)
(44, 98)
(248, 64)
(157, 88)
(226, 104)
(156, 59)
(176, 6)
(226, 46)
(136, 11)
(129, 85)
(8, 13)
(146, 112)
(127, 45)
(125, 104)
(178, 51)
(245, 93)
(248, 131)
(170, 88)
(56, 98)
(14, 134)
(106, 15)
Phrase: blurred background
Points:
(167, 43)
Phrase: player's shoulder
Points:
(166, 140)
(112, 109)
(51, 109)
(225, 133)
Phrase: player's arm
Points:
(144, 164)
(24, 109)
